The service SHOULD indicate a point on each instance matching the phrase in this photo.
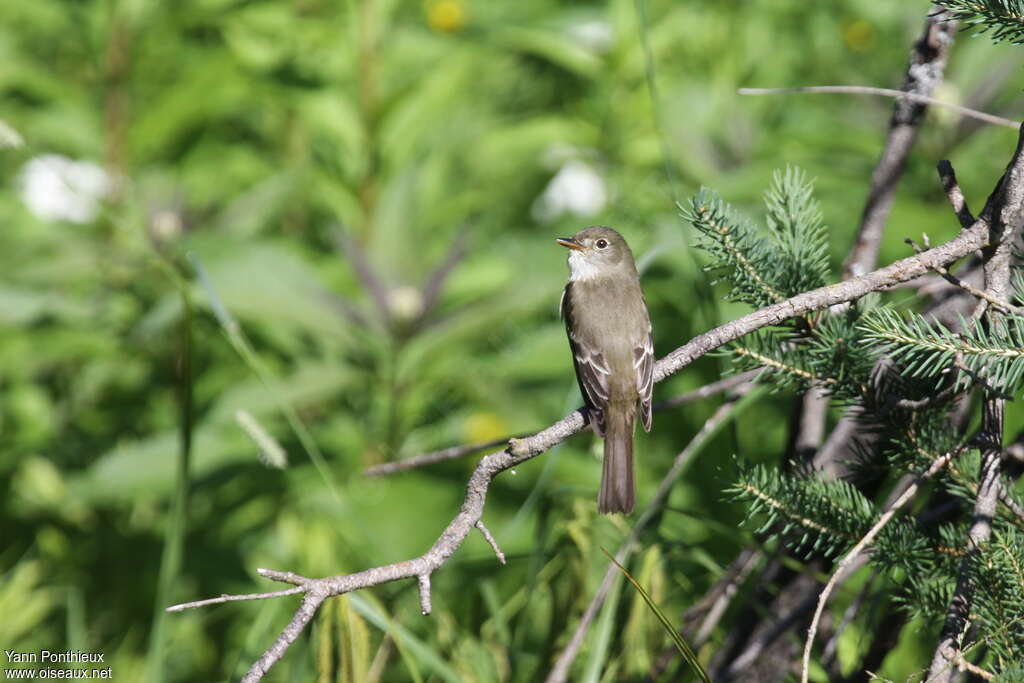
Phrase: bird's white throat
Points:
(580, 268)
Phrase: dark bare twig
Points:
(700, 619)
(947, 176)
(726, 591)
(829, 654)
(764, 655)
(434, 284)
(708, 390)
(356, 258)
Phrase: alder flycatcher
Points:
(613, 351)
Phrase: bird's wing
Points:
(643, 362)
(592, 370)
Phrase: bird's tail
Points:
(618, 492)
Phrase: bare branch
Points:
(307, 610)
(1015, 509)
(711, 608)
(961, 663)
(283, 577)
(490, 540)
(356, 258)
(727, 590)
(884, 92)
(235, 598)
(424, 580)
(436, 280)
(956, 196)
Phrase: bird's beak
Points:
(569, 242)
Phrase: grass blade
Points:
(681, 645)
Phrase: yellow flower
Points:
(859, 35)
(484, 427)
(446, 16)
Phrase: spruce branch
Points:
(1004, 19)
(794, 220)
(999, 601)
(817, 515)
(795, 257)
(928, 349)
(770, 352)
(739, 252)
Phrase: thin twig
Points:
(1011, 504)
(356, 258)
(761, 648)
(490, 540)
(235, 598)
(885, 92)
(727, 590)
(435, 282)
(434, 457)
(981, 294)
(844, 566)
(947, 176)
(708, 390)
(831, 650)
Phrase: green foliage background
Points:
(250, 135)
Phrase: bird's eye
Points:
(601, 244)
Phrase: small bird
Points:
(610, 336)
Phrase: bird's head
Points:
(596, 251)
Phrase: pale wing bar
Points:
(643, 363)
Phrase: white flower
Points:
(595, 35)
(577, 188)
(9, 138)
(54, 187)
(405, 303)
